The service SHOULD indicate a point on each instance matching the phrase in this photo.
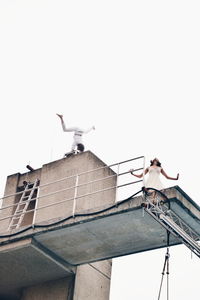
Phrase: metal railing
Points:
(116, 175)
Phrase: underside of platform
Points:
(126, 230)
(54, 252)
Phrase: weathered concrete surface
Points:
(48, 253)
(24, 263)
(53, 172)
(93, 281)
(69, 167)
(122, 230)
(10, 188)
(62, 289)
(119, 231)
(13, 183)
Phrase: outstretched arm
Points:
(89, 129)
(168, 177)
(139, 175)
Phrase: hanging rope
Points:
(166, 266)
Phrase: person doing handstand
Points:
(78, 133)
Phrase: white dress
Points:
(153, 181)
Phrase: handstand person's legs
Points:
(60, 116)
(62, 121)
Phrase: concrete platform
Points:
(122, 231)
(46, 253)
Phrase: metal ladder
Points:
(174, 224)
(22, 205)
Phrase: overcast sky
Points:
(131, 68)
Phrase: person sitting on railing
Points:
(154, 171)
(78, 132)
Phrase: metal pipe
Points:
(70, 199)
(59, 191)
(72, 176)
(30, 168)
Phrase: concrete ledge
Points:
(25, 263)
(121, 231)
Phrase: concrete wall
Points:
(71, 167)
(10, 188)
(54, 171)
(12, 184)
(93, 281)
(61, 289)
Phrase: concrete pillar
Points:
(93, 281)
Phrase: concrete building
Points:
(63, 245)
(30, 270)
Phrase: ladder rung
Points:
(23, 204)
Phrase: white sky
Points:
(131, 68)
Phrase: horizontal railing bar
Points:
(9, 217)
(18, 193)
(69, 188)
(129, 183)
(62, 190)
(72, 176)
(70, 199)
(125, 161)
(85, 195)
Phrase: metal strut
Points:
(155, 206)
(166, 264)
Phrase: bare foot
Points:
(60, 116)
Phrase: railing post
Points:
(143, 171)
(117, 181)
(75, 195)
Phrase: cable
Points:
(72, 217)
(166, 263)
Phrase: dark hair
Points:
(80, 147)
(158, 163)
